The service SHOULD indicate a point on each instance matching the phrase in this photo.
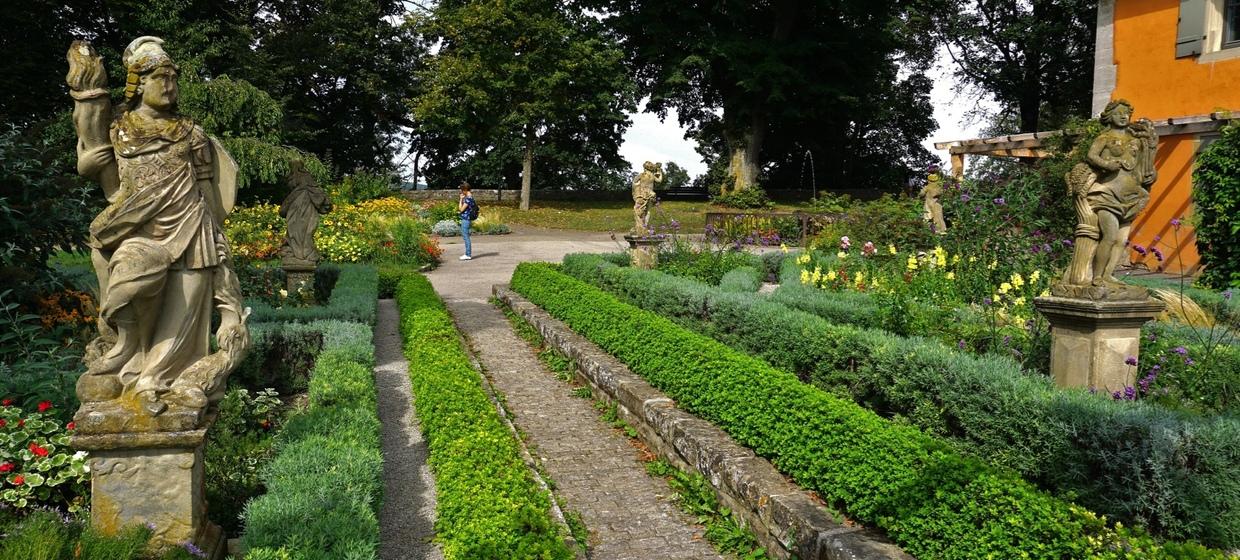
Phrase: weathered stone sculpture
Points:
(159, 251)
(301, 210)
(1096, 319)
(643, 196)
(933, 207)
(1108, 190)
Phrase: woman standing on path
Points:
(467, 208)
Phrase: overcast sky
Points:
(650, 140)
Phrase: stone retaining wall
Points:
(786, 520)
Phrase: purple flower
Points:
(1152, 337)
(1067, 242)
(965, 197)
(1175, 222)
(986, 301)
(960, 344)
(1155, 369)
(1046, 247)
(1035, 249)
(1093, 390)
(1007, 340)
(1139, 249)
(1180, 350)
(1157, 254)
(1189, 361)
(1130, 393)
(1157, 238)
(1000, 202)
(1117, 395)
(1131, 360)
(1227, 294)
(190, 548)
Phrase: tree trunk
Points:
(745, 154)
(527, 167)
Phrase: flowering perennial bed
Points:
(933, 501)
(488, 503)
(1172, 472)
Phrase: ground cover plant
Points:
(931, 500)
(324, 483)
(1171, 471)
(47, 535)
(488, 503)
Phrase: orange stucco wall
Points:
(1161, 86)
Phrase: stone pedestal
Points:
(644, 250)
(154, 479)
(1090, 340)
(297, 275)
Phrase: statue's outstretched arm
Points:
(92, 112)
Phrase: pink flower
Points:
(868, 248)
(71, 425)
(845, 243)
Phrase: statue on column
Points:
(158, 249)
(1108, 190)
(932, 206)
(301, 210)
(643, 196)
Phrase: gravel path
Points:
(596, 471)
(406, 522)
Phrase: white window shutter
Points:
(1191, 33)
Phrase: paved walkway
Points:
(406, 522)
(596, 472)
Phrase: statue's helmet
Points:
(144, 54)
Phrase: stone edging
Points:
(783, 516)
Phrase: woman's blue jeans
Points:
(465, 234)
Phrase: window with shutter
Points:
(1231, 24)
(1191, 34)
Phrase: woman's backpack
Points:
(472, 209)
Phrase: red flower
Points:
(6, 467)
(45, 406)
(37, 450)
(71, 425)
(6, 402)
(19, 480)
(3, 422)
(21, 422)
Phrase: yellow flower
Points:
(874, 282)
(955, 259)
(972, 259)
(783, 248)
(1005, 288)
(912, 262)
(940, 256)
(1017, 280)
(993, 265)
(804, 276)
(841, 255)
(1018, 301)
(1045, 293)
(803, 259)
(859, 279)
(816, 276)
(831, 276)
(951, 275)
(891, 249)
(1034, 276)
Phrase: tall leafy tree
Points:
(342, 70)
(513, 80)
(752, 71)
(1034, 56)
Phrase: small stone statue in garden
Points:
(931, 194)
(301, 209)
(158, 249)
(643, 196)
(1108, 190)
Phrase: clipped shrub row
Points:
(743, 279)
(324, 485)
(1176, 474)
(352, 299)
(930, 499)
(488, 503)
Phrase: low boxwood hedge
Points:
(1174, 473)
(488, 503)
(324, 486)
(890, 475)
(352, 299)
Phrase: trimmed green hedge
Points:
(324, 486)
(488, 503)
(352, 299)
(743, 279)
(1174, 473)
